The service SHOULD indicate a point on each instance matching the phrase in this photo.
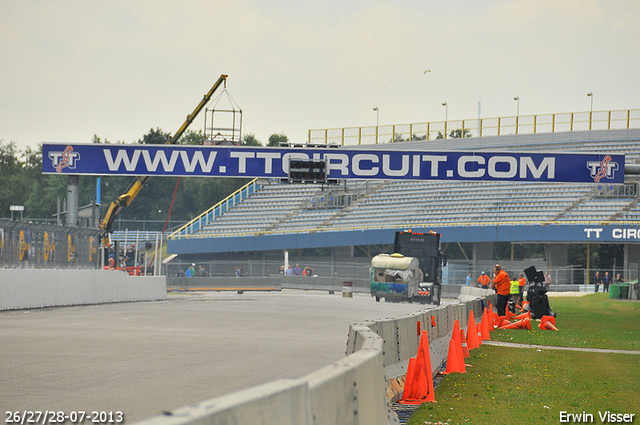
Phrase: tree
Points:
(155, 137)
(250, 140)
(456, 134)
(14, 188)
(192, 138)
(276, 139)
(460, 133)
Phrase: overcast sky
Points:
(72, 69)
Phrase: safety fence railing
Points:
(478, 127)
(558, 276)
(455, 273)
(218, 209)
(25, 245)
(401, 226)
(320, 267)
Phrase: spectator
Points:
(547, 281)
(201, 272)
(191, 271)
(297, 271)
(288, 271)
(308, 271)
(468, 279)
(618, 278)
(605, 282)
(281, 270)
(596, 281)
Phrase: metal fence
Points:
(25, 245)
(323, 267)
(559, 276)
(474, 127)
(358, 268)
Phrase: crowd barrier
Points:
(354, 390)
(37, 288)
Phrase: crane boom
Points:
(126, 198)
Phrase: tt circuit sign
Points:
(612, 234)
(219, 161)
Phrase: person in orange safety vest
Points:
(502, 285)
(522, 282)
(484, 281)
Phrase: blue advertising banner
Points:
(231, 161)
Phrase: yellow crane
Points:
(126, 198)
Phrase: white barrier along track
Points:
(351, 391)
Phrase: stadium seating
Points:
(282, 208)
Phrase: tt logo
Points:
(67, 158)
(606, 168)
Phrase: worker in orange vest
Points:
(502, 285)
(484, 281)
(522, 282)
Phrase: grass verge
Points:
(533, 386)
(591, 321)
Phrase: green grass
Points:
(532, 386)
(591, 321)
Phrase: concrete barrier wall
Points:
(401, 335)
(347, 392)
(23, 289)
(350, 391)
(276, 282)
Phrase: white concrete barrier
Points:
(350, 391)
(24, 288)
(279, 402)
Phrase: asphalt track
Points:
(147, 357)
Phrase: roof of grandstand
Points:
(269, 215)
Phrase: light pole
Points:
(517, 99)
(590, 94)
(377, 121)
(446, 117)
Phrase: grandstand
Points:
(280, 216)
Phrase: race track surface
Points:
(147, 357)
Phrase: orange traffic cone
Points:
(502, 321)
(545, 318)
(522, 324)
(548, 323)
(465, 346)
(418, 387)
(455, 336)
(526, 315)
(472, 334)
(509, 314)
(484, 326)
(479, 334)
(453, 364)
